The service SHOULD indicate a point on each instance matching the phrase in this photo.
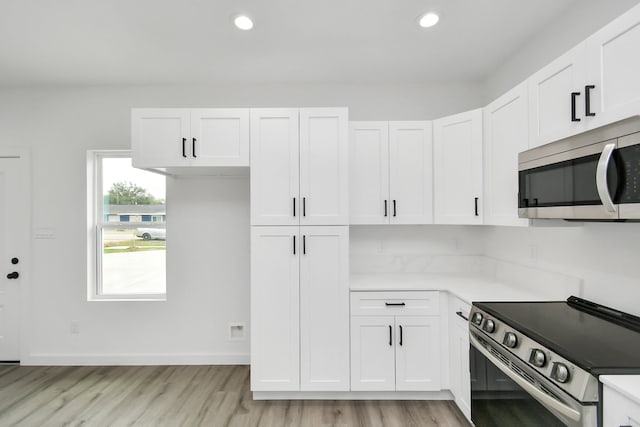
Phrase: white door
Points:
(369, 172)
(274, 167)
(458, 168)
(14, 234)
(160, 137)
(275, 326)
(219, 137)
(411, 172)
(324, 308)
(506, 134)
(550, 98)
(460, 378)
(613, 67)
(417, 353)
(324, 166)
(372, 353)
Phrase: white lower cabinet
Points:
(459, 354)
(619, 410)
(299, 308)
(395, 352)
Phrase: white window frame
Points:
(95, 226)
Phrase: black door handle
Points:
(184, 149)
(400, 326)
(304, 244)
(459, 313)
(385, 208)
(476, 202)
(294, 244)
(13, 275)
(389, 304)
(294, 207)
(394, 208)
(390, 335)
(587, 100)
(14, 261)
(193, 148)
(304, 206)
(574, 95)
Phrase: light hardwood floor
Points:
(185, 396)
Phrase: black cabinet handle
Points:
(304, 206)
(390, 335)
(587, 100)
(400, 326)
(294, 244)
(476, 203)
(294, 207)
(13, 275)
(14, 261)
(391, 304)
(385, 208)
(304, 245)
(574, 95)
(394, 208)
(193, 148)
(459, 313)
(184, 149)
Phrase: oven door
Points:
(506, 393)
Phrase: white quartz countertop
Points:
(627, 385)
(469, 287)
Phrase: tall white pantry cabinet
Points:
(299, 250)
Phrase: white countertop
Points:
(627, 385)
(469, 287)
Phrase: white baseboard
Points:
(353, 395)
(57, 359)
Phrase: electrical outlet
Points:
(75, 327)
(236, 331)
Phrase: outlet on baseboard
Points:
(74, 328)
(237, 331)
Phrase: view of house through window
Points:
(130, 230)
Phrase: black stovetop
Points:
(601, 341)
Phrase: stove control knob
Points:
(477, 318)
(560, 372)
(510, 340)
(538, 358)
(489, 326)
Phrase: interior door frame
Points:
(24, 331)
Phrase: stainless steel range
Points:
(550, 355)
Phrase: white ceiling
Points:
(81, 42)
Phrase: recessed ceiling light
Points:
(428, 20)
(243, 22)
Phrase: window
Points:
(127, 223)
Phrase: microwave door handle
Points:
(539, 395)
(601, 177)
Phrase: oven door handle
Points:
(601, 177)
(540, 396)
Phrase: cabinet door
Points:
(458, 168)
(506, 134)
(275, 342)
(618, 409)
(613, 68)
(463, 398)
(324, 309)
(160, 137)
(324, 166)
(550, 98)
(372, 353)
(219, 137)
(274, 167)
(369, 173)
(411, 173)
(417, 353)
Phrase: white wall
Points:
(208, 217)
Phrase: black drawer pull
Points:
(390, 335)
(391, 304)
(459, 313)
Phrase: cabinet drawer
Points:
(411, 303)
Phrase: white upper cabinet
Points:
(505, 135)
(274, 178)
(556, 98)
(181, 137)
(299, 166)
(458, 168)
(391, 173)
(369, 172)
(324, 166)
(410, 172)
(613, 67)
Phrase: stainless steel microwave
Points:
(591, 176)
